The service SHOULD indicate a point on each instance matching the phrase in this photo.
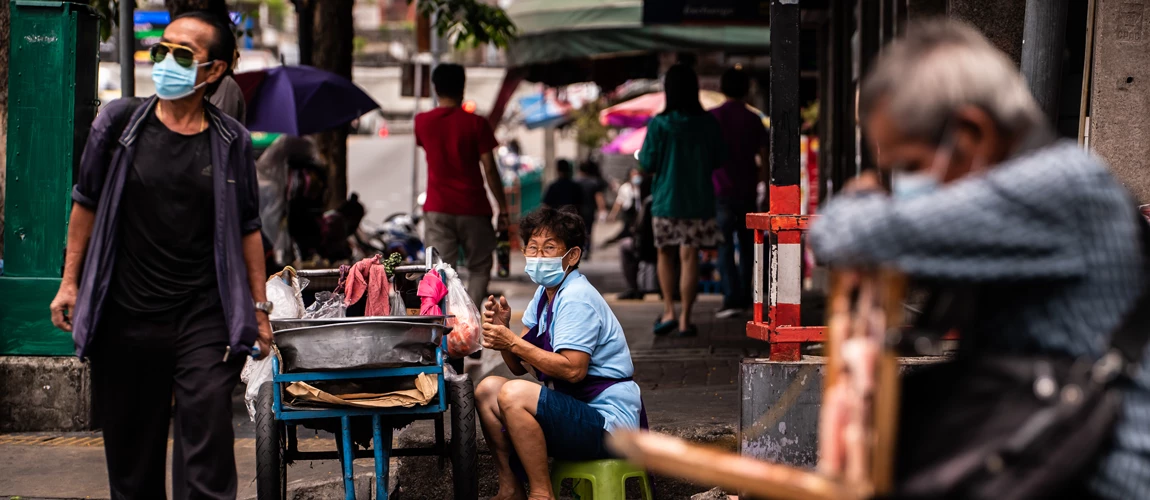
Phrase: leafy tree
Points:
(469, 23)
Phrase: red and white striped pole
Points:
(778, 234)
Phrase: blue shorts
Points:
(573, 429)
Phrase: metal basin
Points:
(367, 343)
(291, 324)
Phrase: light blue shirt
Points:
(583, 322)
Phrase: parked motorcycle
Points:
(399, 233)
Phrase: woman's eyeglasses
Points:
(184, 56)
(547, 251)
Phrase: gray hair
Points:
(939, 67)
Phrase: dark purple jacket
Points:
(100, 184)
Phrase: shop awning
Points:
(552, 31)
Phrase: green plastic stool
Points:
(599, 479)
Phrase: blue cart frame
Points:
(289, 418)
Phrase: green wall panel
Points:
(25, 323)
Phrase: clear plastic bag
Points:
(398, 307)
(466, 335)
(326, 305)
(255, 374)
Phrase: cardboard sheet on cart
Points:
(426, 388)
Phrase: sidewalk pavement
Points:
(689, 387)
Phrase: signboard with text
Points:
(711, 12)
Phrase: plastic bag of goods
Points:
(466, 335)
(326, 305)
(285, 291)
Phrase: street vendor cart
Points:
(364, 354)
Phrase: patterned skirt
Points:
(698, 233)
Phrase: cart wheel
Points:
(464, 463)
(271, 469)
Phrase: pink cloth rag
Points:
(369, 277)
(431, 292)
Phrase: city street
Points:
(379, 169)
(782, 249)
(689, 385)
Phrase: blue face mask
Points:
(547, 272)
(907, 185)
(174, 81)
(636, 180)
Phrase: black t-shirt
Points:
(592, 186)
(564, 192)
(165, 257)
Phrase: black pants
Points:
(629, 258)
(737, 277)
(137, 366)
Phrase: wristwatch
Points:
(265, 307)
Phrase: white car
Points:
(255, 60)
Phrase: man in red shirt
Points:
(458, 214)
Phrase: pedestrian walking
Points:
(627, 201)
(163, 283)
(683, 147)
(594, 203)
(459, 147)
(564, 192)
(226, 95)
(735, 185)
(1032, 251)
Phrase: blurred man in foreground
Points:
(1043, 242)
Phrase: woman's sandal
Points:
(665, 327)
(691, 331)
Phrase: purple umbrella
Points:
(301, 100)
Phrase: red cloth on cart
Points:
(431, 292)
(368, 278)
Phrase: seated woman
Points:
(573, 343)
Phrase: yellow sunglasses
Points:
(184, 55)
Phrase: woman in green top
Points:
(684, 145)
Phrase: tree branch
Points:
(469, 23)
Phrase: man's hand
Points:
(866, 181)
(503, 221)
(264, 341)
(498, 337)
(497, 312)
(63, 306)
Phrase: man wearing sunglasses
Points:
(163, 284)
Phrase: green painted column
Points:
(51, 104)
